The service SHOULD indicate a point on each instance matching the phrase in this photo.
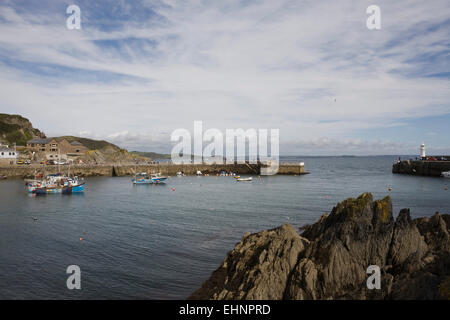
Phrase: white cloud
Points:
(264, 64)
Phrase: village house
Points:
(7, 154)
(52, 149)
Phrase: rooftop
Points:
(41, 141)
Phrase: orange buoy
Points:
(81, 239)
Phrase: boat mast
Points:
(59, 161)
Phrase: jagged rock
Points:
(257, 268)
(407, 247)
(329, 260)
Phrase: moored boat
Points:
(55, 183)
(245, 179)
(445, 174)
(144, 178)
(66, 189)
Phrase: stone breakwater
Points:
(421, 168)
(329, 260)
(24, 171)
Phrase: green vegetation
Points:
(17, 129)
(91, 144)
(151, 155)
(4, 117)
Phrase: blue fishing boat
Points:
(56, 183)
(67, 189)
(144, 178)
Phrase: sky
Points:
(138, 70)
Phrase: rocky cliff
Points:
(17, 129)
(329, 260)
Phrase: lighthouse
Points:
(422, 152)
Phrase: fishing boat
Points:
(158, 178)
(56, 183)
(144, 178)
(445, 174)
(244, 179)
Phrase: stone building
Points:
(52, 149)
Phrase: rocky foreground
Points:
(329, 260)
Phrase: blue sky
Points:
(137, 70)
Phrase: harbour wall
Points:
(29, 171)
(421, 168)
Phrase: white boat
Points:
(244, 179)
(445, 174)
(199, 173)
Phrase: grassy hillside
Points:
(151, 155)
(91, 144)
(17, 129)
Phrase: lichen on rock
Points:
(330, 258)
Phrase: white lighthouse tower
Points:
(422, 152)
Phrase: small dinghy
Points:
(244, 179)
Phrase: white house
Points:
(8, 155)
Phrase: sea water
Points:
(161, 242)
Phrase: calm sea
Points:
(150, 242)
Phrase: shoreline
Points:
(165, 168)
